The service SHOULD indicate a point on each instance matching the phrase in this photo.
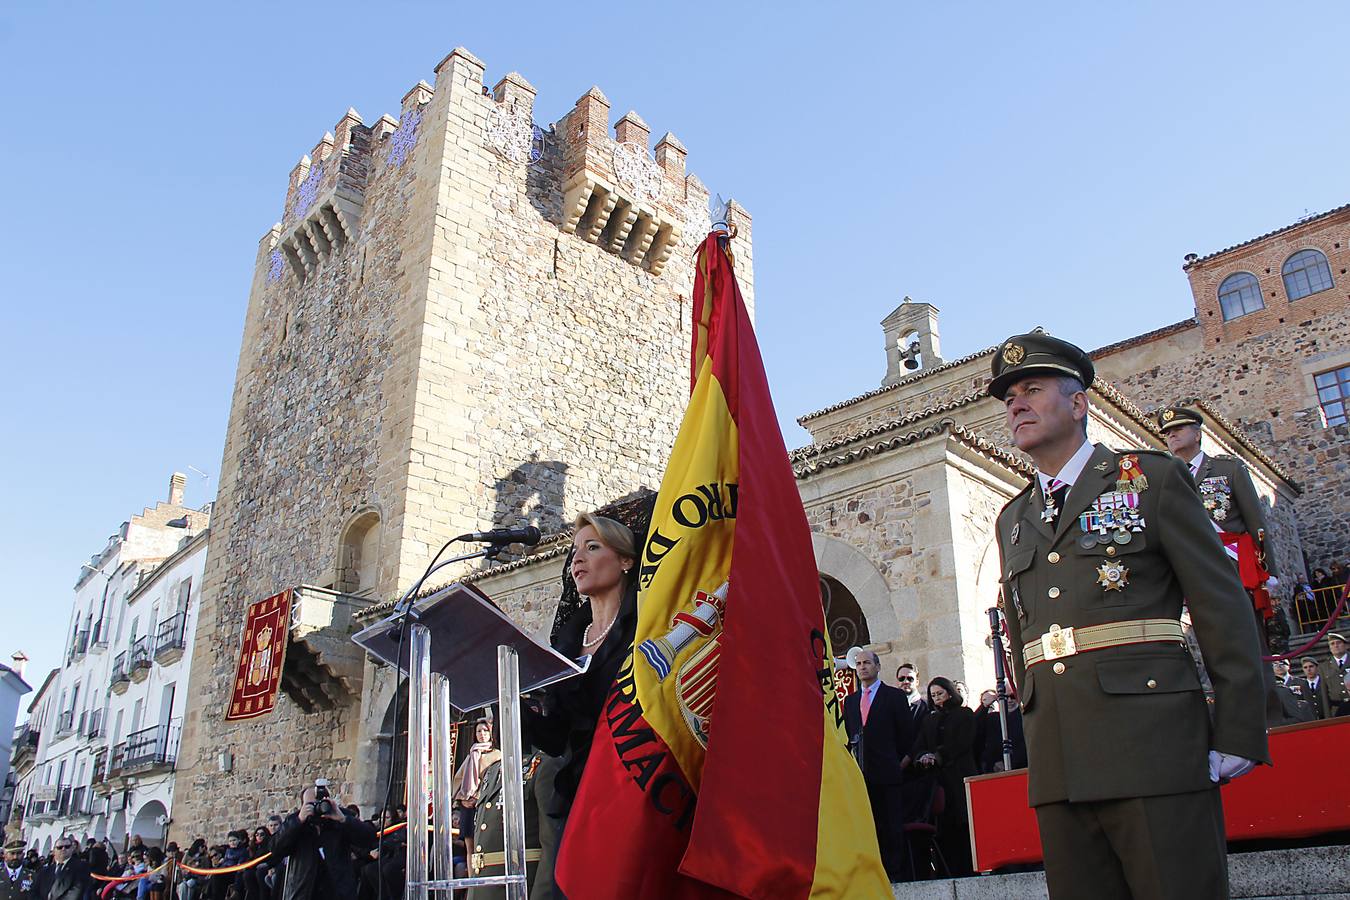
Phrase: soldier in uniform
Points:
(1124, 756)
(17, 881)
(488, 853)
(1230, 498)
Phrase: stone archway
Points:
(149, 823)
(848, 566)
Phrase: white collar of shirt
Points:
(915, 699)
(871, 689)
(1196, 463)
(1340, 660)
(1071, 469)
(1315, 681)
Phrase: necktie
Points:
(1195, 470)
(866, 704)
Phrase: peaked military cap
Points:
(1037, 353)
(1170, 417)
(15, 846)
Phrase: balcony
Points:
(121, 678)
(65, 723)
(41, 810)
(25, 746)
(81, 803)
(98, 638)
(82, 643)
(171, 640)
(149, 750)
(98, 778)
(139, 659)
(91, 724)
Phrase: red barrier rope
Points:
(126, 878)
(1331, 620)
(227, 870)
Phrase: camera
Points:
(323, 804)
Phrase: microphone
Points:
(525, 534)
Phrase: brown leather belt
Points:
(1058, 643)
(480, 861)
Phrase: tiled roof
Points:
(804, 470)
(1262, 237)
(811, 450)
(899, 384)
(1146, 337)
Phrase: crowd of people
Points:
(915, 747)
(320, 850)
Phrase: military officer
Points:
(1097, 552)
(17, 881)
(488, 854)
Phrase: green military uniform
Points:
(1117, 728)
(487, 856)
(22, 884)
(1333, 672)
(1226, 488)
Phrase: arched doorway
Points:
(844, 620)
(117, 831)
(150, 822)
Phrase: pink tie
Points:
(866, 704)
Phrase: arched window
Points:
(1306, 272)
(359, 554)
(1239, 295)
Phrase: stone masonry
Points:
(461, 320)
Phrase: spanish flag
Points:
(719, 766)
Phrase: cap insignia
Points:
(1013, 354)
(1169, 415)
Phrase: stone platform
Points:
(1320, 872)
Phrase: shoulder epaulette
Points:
(1144, 450)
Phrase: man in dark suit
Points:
(67, 878)
(907, 676)
(880, 724)
(1097, 552)
(17, 880)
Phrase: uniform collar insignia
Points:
(1102, 466)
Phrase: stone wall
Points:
(1264, 385)
(439, 348)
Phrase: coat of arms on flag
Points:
(261, 655)
(728, 693)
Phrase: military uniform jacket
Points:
(21, 888)
(1128, 721)
(1243, 512)
(490, 829)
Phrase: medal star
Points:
(1113, 576)
(1048, 514)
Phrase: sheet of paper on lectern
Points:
(466, 629)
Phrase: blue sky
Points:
(1014, 164)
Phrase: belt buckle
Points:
(476, 862)
(1058, 643)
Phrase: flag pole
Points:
(1001, 680)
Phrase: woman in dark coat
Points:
(603, 569)
(946, 747)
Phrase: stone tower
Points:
(461, 320)
(911, 340)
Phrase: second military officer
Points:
(1124, 756)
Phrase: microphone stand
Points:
(405, 615)
(1001, 681)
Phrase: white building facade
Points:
(106, 739)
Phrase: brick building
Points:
(462, 319)
(1269, 348)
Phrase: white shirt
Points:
(871, 692)
(1071, 470)
(1196, 463)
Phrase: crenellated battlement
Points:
(617, 193)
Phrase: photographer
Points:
(318, 840)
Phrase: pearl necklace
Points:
(586, 635)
